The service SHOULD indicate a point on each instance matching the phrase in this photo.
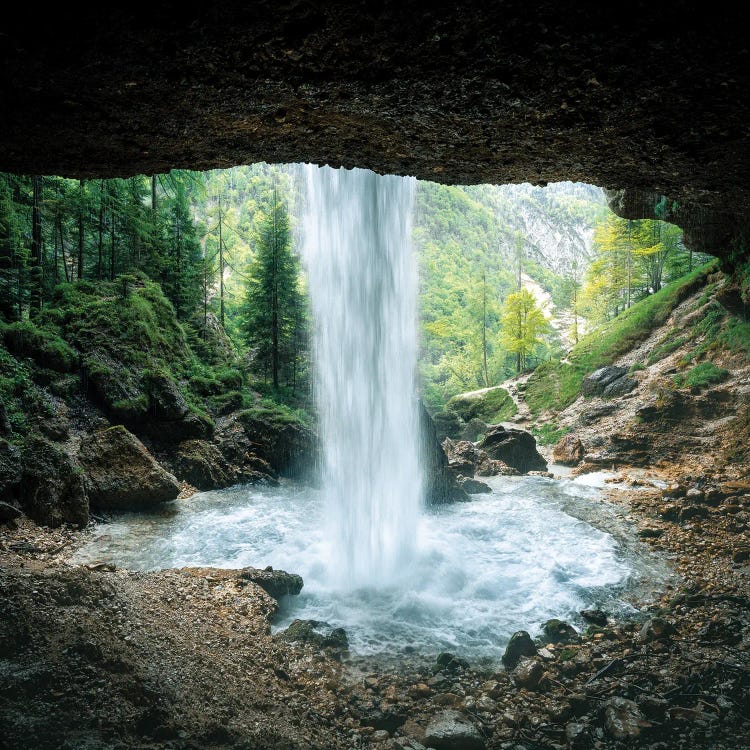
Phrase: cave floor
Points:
(95, 657)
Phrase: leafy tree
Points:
(523, 324)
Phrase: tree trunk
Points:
(36, 245)
(112, 237)
(484, 329)
(100, 260)
(221, 268)
(153, 193)
(275, 303)
(62, 251)
(81, 198)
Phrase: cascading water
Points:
(363, 291)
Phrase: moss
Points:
(42, 344)
(549, 433)
(566, 654)
(274, 413)
(700, 376)
(553, 385)
(671, 342)
(491, 405)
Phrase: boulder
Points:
(448, 424)
(276, 583)
(10, 469)
(200, 463)
(656, 629)
(527, 674)
(568, 451)
(619, 387)
(440, 482)
(452, 730)
(473, 486)
(121, 474)
(465, 459)
(559, 631)
(450, 662)
(52, 490)
(474, 428)
(516, 448)
(316, 633)
(594, 384)
(491, 405)
(595, 616)
(173, 419)
(8, 512)
(623, 719)
(519, 645)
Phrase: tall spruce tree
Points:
(273, 299)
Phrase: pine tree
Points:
(273, 299)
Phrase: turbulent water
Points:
(479, 570)
(363, 291)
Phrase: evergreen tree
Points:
(273, 303)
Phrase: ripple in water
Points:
(480, 570)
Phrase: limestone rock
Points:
(559, 631)
(656, 629)
(568, 451)
(10, 469)
(440, 482)
(473, 486)
(276, 583)
(200, 463)
(52, 489)
(520, 645)
(317, 633)
(517, 448)
(623, 719)
(596, 383)
(121, 474)
(452, 730)
(527, 674)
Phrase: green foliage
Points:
(670, 343)
(553, 385)
(523, 324)
(491, 406)
(700, 376)
(275, 414)
(274, 309)
(43, 345)
(548, 433)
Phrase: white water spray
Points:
(363, 290)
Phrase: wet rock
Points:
(440, 482)
(520, 645)
(452, 730)
(568, 451)
(623, 719)
(691, 512)
(527, 673)
(517, 448)
(448, 424)
(450, 662)
(52, 489)
(10, 469)
(200, 463)
(653, 707)
(473, 486)
(577, 736)
(619, 387)
(121, 474)
(727, 631)
(559, 631)
(9, 512)
(656, 629)
(316, 633)
(474, 429)
(276, 583)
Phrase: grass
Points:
(671, 342)
(554, 385)
(492, 406)
(549, 433)
(700, 376)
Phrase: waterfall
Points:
(363, 292)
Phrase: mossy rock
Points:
(491, 405)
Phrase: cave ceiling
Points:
(643, 99)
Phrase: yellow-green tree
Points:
(523, 324)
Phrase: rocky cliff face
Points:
(510, 92)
